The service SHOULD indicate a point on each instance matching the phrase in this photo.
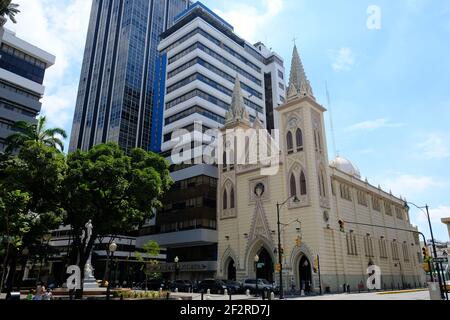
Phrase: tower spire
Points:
(238, 112)
(298, 78)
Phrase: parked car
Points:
(250, 284)
(215, 286)
(156, 284)
(181, 285)
(234, 287)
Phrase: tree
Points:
(35, 132)
(115, 191)
(38, 172)
(14, 223)
(9, 10)
(150, 250)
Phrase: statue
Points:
(89, 279)
(87, 232)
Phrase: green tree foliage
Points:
(35, 132)
(9, 9)
(115, 191)
(14, 222)
(37, 171)
(146, 258)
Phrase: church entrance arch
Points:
(305, 274)
(231, 270)
(264, 266)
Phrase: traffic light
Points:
(425, 253)
(341, 226)
(298, 242)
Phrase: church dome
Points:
(346, 166)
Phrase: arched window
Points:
(225, 200)
(316, 142)
(232, 205)
(322, 184)
(303, 190)
(224, 164)
(290, 142)
(247, 150)
(293, 186)
(319, 139)
(232, 160)
(299, 138)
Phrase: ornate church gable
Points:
(260, 224)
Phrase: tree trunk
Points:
(12, 273)
(5, 261)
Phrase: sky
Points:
(386, 65)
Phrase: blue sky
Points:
(390, 87)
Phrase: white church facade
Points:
(328, 214)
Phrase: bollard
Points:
(203, 298)
(302, 293)
(208, 292)
(176, 290)
(160, 292)
(272, 296)
(247, 293)
(225, 292)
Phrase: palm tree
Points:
(8, 9)
(35, 132)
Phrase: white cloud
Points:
(436, 214)
(343, 59)
(374, 124)
(410, 185)
(435, 146)
(59, 27)
(248, 20)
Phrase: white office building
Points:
(22, 71)
(200, 59)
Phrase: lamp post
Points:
(280, 251)
(177, 267)
(111, 250)
(427, 212)
(256, 274)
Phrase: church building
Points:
(333, 224)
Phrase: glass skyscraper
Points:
(114, 102)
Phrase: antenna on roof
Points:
(333, 136)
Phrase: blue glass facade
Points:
(158, 107)
(115, 95)
(18, 62)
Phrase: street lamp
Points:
(256, 274)
(280, 251)
(111, 250)
(427, 212)
(177, 267)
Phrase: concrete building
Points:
(446, 221)
(22, 71)
(200, 59)
(114, 102)
(326, 203)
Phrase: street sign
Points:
(440, 260)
